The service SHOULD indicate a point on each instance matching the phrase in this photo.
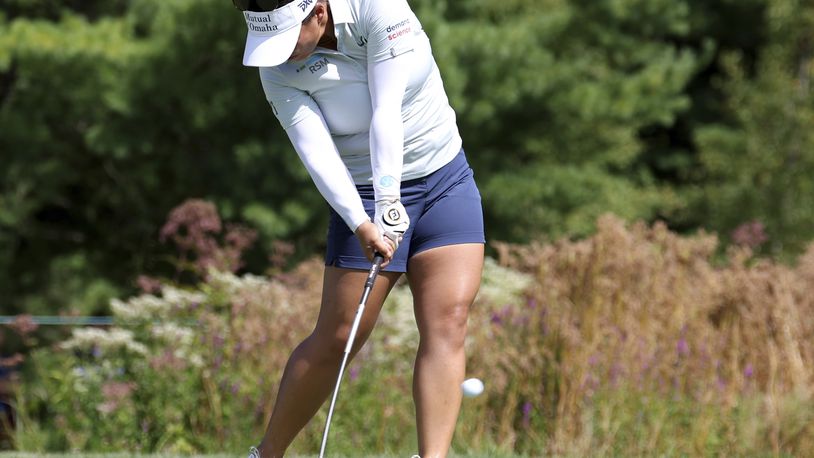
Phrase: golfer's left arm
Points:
(389, 66)
(388, 81)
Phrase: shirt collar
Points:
(340, 9)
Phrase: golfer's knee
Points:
(450, 325)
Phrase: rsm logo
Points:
(315, 66)
(318, 65)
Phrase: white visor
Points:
(273, 34)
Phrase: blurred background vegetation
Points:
(698, 114)
(694, 112)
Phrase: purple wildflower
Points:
(217, 341)
(749, 371)
(526, 414)
(499, 316)
(496, 319)
(682, 348)
(531, 303)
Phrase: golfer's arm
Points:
(318, 153)
(387, 82)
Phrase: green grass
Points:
(123, 455)
(108, 455)
(222, 455)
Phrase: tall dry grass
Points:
(637, 342)
(633, 342)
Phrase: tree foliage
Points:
(759, 163)
(552, 97)
(114, 112)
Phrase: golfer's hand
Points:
(392, 220)
(372, 242)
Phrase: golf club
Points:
(371, 278)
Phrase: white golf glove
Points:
(392, 220)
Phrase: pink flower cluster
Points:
(196, 229)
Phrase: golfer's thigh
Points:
(444, 282)
(341, 293)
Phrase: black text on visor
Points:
(259, 5)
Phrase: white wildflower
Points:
(181, 342)
(195, 360)
(181, 298)
(147, 307)
(172, 333)
(105, 341)
(140, 308)
(233, 284)
(252, 282)
(83, 339)
(226, 281)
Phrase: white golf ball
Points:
(472, 387)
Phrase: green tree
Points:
(760, 164)
(716, 27)
(57, 82)
(552, 97)
(107, 123)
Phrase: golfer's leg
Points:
(312, 368)
(444, 282)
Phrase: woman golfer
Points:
(355, 86)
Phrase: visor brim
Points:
(263, 51)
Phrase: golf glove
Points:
(392, 220)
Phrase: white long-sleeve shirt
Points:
(372, 112)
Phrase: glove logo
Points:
(393, 216)
(392, 220)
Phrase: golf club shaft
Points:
(371, 278)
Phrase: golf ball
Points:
(472, 387)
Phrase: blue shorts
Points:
(444, 209)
